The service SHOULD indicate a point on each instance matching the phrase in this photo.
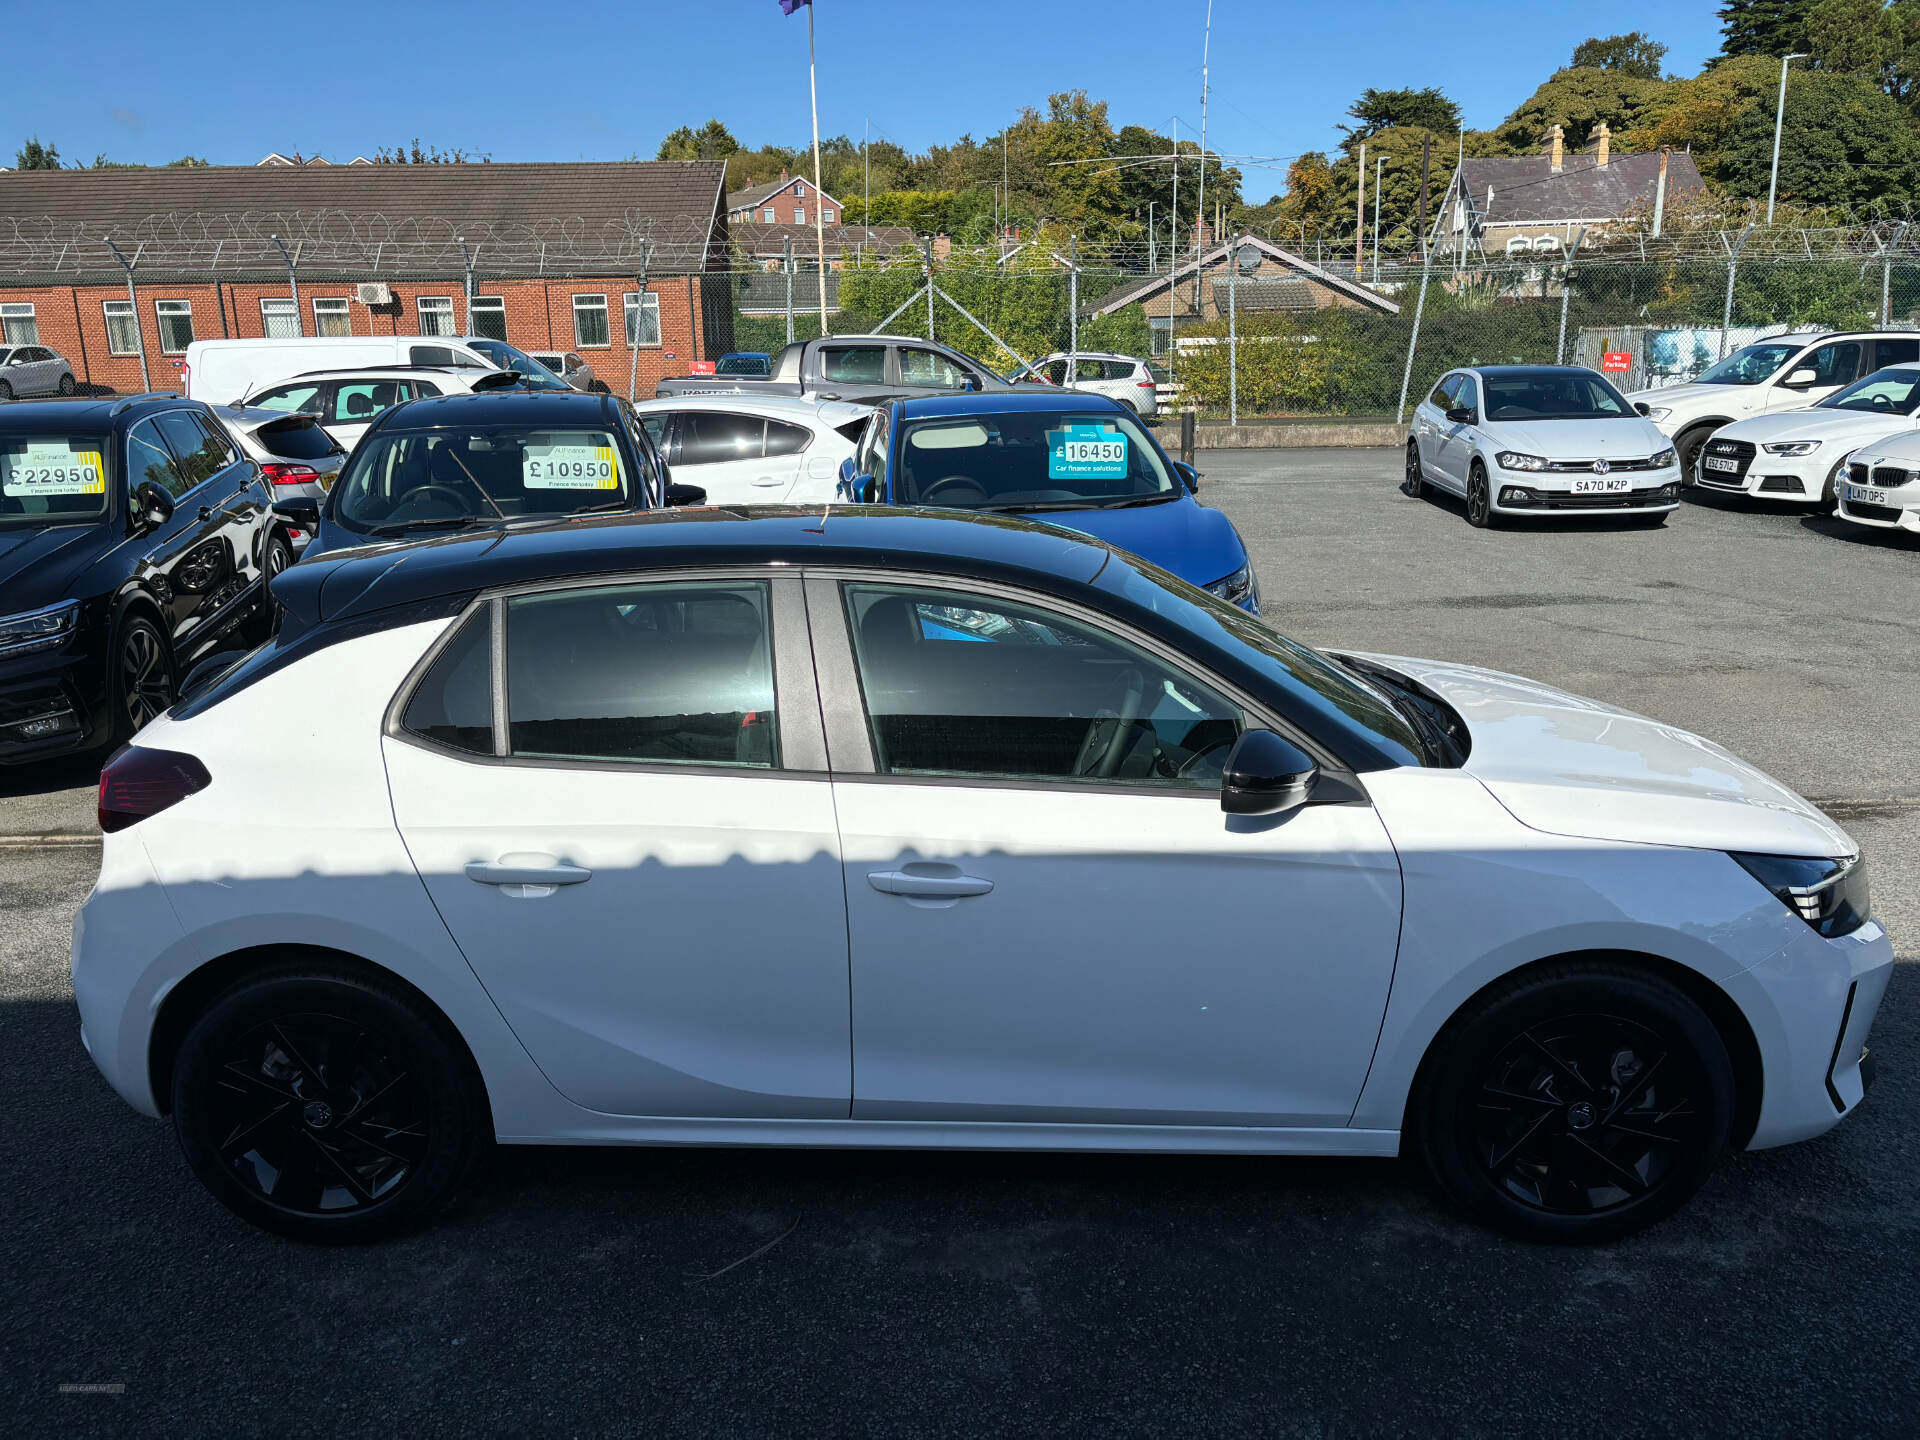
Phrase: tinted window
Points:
(786, 439)
(966, 685)
(662, 674)
(707, 437)
(1834, 364)
(1466, 394)
(1442, 397)
(454, 704)
(1896, 352)
(200, 455)
(149, 459)
(858, 365)
(433, 355)
(296, 440)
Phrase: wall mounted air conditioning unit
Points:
(374, 293)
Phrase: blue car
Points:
(1072, 459)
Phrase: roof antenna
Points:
(821, 528)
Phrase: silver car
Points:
(569, 366)
(295, 455)
(33, 370)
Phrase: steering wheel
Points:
(434, 488)
(1111, 734)
(1881, 402)
(957, 481)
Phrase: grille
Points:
(1585, 467)
(1884, 514)
(1889, 476)
(1629, 500)
(1857, 474)
(1741, 452)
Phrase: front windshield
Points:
(1749, 365)
(1552, 395)
(539, 377)
(743, 365)
(1885, 392)
(401, 480)
(1030, 460)
(56, 478)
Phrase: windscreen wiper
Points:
(445, 522)
(1141, 500)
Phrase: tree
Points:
(1764, 27)
(35, 156)
(187, 162)
(1378, 110)
(1578, 99)
(712, 141)
(1844, 142)
(1632, 54)
(431, 155)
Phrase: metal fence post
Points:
(1413, 341)
(1233, 338)
(786, 264)
(929, 265)
(1566, 290)
(466, 263)
(1886, 274)
(293, 280)
(133, 301)
(1733, 268)
(1073, 297)
(639, 305)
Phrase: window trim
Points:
(490, 305)
(346, 309)
(107, 317)
(12, 310)
(606, 315)
(288, 307)
(420, 313)
(637, 301)
(160, 323)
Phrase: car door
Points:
(1050, 917)
(1430, 422)
(35, 373)
(1457, 438)
(802, 461)
(724, 453)
(646, 876)
(224, 491)
(1834, 364)
(853, 372)
(186, 558)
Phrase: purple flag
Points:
(787, 7)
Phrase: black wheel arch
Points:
(1743, 1049)
(196, 993)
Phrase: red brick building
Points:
(547, 257)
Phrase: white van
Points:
(222, 371)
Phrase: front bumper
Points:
(1518, 492)
(1791, 479)
(1902, 512)
(54, 703)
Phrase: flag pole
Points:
(819, 225)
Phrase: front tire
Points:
(6, 391)
(1830, 492)
(277, 556)
(325, 1106)
(1480, 512)
(1577, 1103)
(1414, 482)
(1687, 451)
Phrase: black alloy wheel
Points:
(324, 1106)
(1579, 1104)
(66, 383)
(143, 683)
(1480, 499)
(273, 560)
(1687, 451)
(1414, 482)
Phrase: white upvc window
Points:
(590, 330)
(18, 325)
(331, 316)
(799, 215)
(643, 319)
(279, 318)
(487, 317)
(436, 314)
(176, 325)
(826, 215)
(771, 215)
(123, 333)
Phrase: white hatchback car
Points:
(748, 450)
(1099, 372)
(1881, 487)
(1539, 440)
(346, 402)
(898, 829)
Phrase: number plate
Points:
(1720, 462)
(1601, 487)
(1865, 495)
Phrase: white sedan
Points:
(1540, 440)
(1797, 455)
(1881, 486)
(748, 450)
(949, 831)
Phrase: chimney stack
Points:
(1605, 137)
(1559, 139)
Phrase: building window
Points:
(826, 215)
(487, 317)
(123, 335)
(643, 319)
(799, 215)
(770, 215)
(281, 319)
(590, 322)
(1158, 326)
(436, 315)
(18, 325)
(330, 317)
(176, 325)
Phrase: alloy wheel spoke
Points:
(333, 1161)
(1629, 1180)
(1519, 1097)
(361, 1106)
(246, 1130)
(1556, 1062)
(293, 1052)
(359, 1135)
(233, 1070)
(1505, 1157)
(1633, 1089)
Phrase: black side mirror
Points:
(152, 505)
(1266, 775)
(678, 495)
(1189, 476)
(866, 490)
(1461, 415)
(302, 512)
(1642, 407)
(969, 384)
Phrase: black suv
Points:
(135, 538)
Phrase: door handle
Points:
(768, 481)
(501, 874)
(938, 887)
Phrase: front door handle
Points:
(936, 887)
(768, 480)
(505, 874)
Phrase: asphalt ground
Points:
(762, 1293)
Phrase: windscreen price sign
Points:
(561, 466)
(1086, 452)
(51, 468)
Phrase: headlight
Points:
(38, 629)
(1791, 447)
(1665, 458)
(1514, 460)
(1658, 412)
(1830, 895)
(1240, 588)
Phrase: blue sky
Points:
(588, 80)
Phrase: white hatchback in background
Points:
(1539, 440)
(1798, 455)
(743, 450)
(1118, 377)
(1881, 487)
(346, 401)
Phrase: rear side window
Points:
(453, 705)
(858, 365)
(784, 439)
(296, 441)
(673, 674)
(201, 454)
(708, 437)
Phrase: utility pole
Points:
(1206, 44)
(866, 182)
(1073, 305)
(929, 263)
(1360, 216)
(1378, 161)
(1426, 160)
(786, 264)
(133, 304)
(1151, 258)
(1233, 337)
(1173, 262)
(1779, 114)
(819, 226)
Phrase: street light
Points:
(1779, 114)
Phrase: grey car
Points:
(570, 367)
(33, 370)
(297, 458)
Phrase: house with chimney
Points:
(1517, 206)
(790, 200)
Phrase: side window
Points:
(1466, 394)
(1836, 364)
(149, 459)
(358, 401)
(854, 364)
(965, 685)
(199, 455)
(1055, 372)
(871, 456)
(1895, 352)
(303, 398)
(655, 424)
(430, 355)
(784, 439)
(674, 674)
(929, 368)
(710, 436)
(453, 705)
(1442, 397)
(419, 388)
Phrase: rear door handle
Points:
(501, 874)
(769, 480)
(939, 887)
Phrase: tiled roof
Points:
(1527, 191)
(760, 239)
(754, 195)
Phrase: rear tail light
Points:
(1143, 384)
(138, 782)
(281, 474)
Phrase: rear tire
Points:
(66, 383)
(1577, 1103)
(325, 1106)
(1414, 482)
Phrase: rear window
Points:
(296, 442)
(52, 479)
